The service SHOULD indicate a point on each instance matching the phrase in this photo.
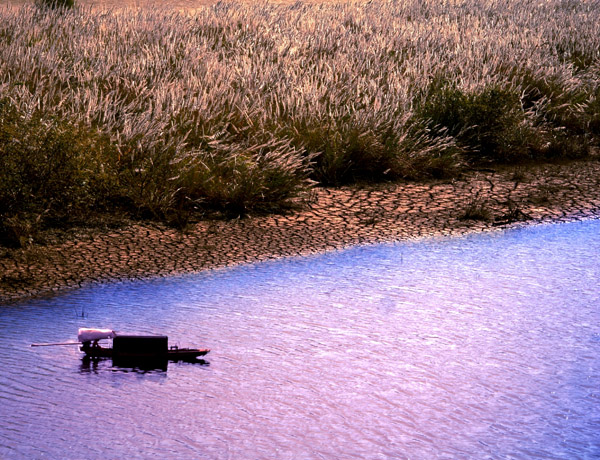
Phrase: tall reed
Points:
(242, 106)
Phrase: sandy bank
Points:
(334, 219)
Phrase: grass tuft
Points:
(476, 209)
(490, 125)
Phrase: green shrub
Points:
(593, 113)
(343, 152)
(51, 171)
(241, 177)
(350, 151)
(490, 125)
(567, 111)
(560, 95)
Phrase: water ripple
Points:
(485, 346)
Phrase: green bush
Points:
(51, 171)
(568, 112)
(490, 125)
(343, 152)
(240, 169)
(350, 151)
(241, 177)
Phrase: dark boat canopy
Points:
(139, 345)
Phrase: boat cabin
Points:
(140, 345)
(134, 348)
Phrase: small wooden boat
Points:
(174, 353)
(134, 348)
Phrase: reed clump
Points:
(241, 107)
(55, 4)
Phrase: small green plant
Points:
(476, 209)
(513, 214)
(19, 230)
(544, 194)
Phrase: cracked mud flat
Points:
(335, 218)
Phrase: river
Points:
(484, 346)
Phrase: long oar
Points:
(53, 344)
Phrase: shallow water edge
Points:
(335, 218)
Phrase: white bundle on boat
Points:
(87, 334)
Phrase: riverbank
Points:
(333, 219)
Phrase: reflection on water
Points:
(96, 365)
(475, 347)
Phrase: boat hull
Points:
(173, 354)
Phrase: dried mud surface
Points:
(333, 219)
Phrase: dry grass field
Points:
(165, 112)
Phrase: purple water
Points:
(485, 346)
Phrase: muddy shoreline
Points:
(333, 219)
